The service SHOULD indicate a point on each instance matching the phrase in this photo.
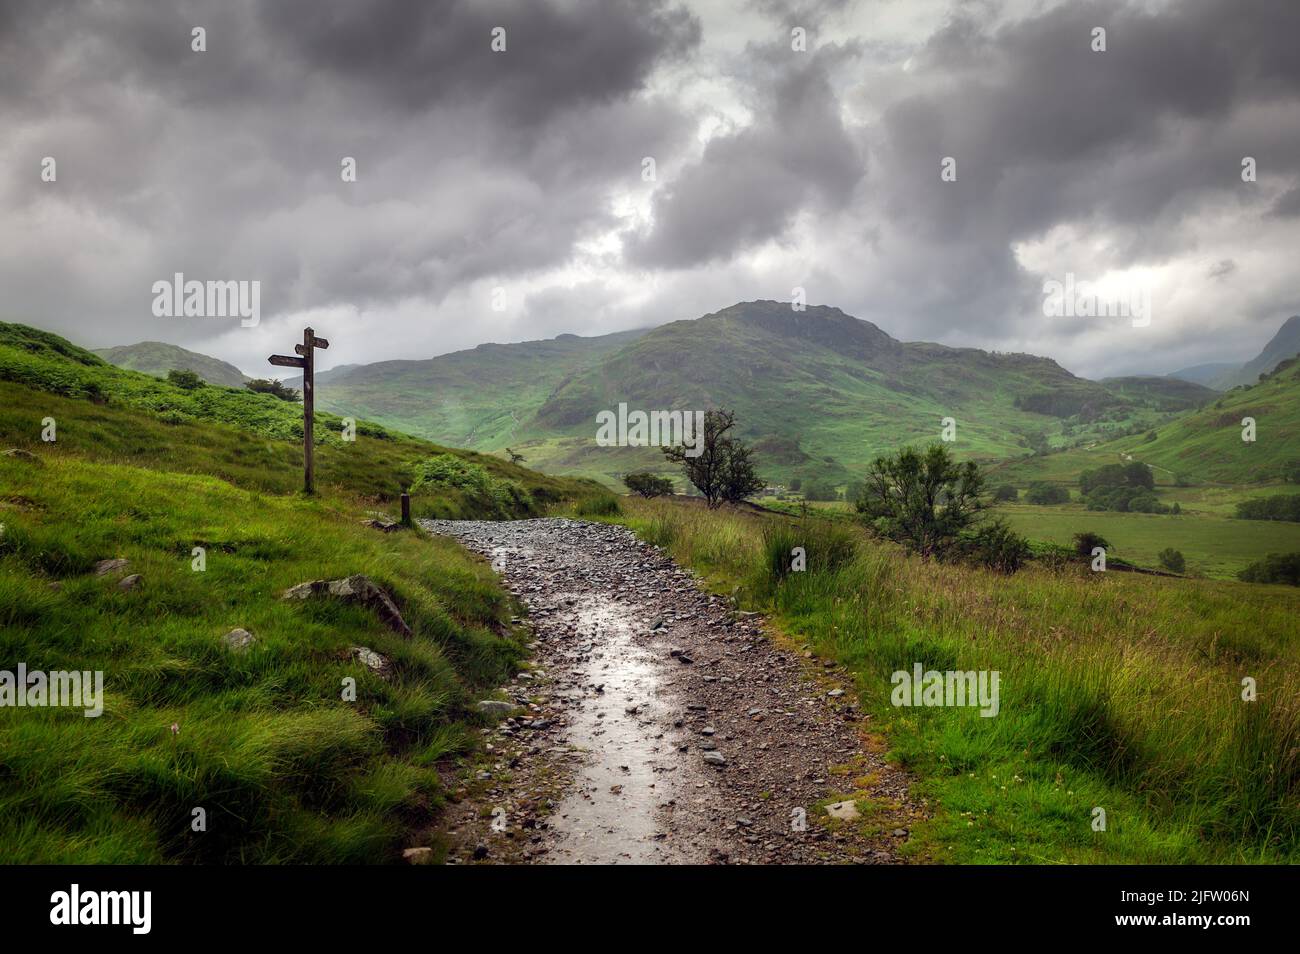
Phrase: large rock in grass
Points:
(357, 589)
(238, 640)
(104, 567)
(495, 707)
(17, 453)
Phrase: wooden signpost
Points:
(307, 362)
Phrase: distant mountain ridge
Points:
(158, 357)
(1285, 344)
(1223, 376)
(819, 391)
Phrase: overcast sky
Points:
(515, 179)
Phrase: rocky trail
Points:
(658, 725)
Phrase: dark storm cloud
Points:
(478, 168)
(557, 56)
(1035, 112)
(471, 163)
(747, 187)
(1131, 143)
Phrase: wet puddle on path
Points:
(616, 810)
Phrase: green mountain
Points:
(157, 358)
(1285, 344)
(1162, 393)
(1201, 447)
(475, 398)
(819, 392)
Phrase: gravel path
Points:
(656, 725)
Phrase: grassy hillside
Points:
(1118, 691)
(1202, 447)
(286, 768)
(469, 398)
(157, 358)
(1164, 394)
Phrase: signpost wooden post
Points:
(307, 362)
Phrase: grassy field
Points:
(1214, 543)
(1213, 546)
(285, 768)
(1118, 691)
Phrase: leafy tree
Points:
(186, 380)
(273, 387)
(723, 470)
(922, 499)
(1172, 560)
(795, 483)
(1005, 493)
(739, 479)
(1041, 492)
(648, 485)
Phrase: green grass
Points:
(285, 768)
(1214, 546)
(1117, 691)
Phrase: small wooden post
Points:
(406, 509)
(306, 360)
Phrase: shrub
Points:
(922, 499)
(1085, 542)
(648, 485)
(1146, 503)
(996, 546)
(1279, 507)
(493, 495)
(1274, 568)
(1041, 492)
(1172, 560)
(1006, 492)
(186, 380)
(274, 388)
